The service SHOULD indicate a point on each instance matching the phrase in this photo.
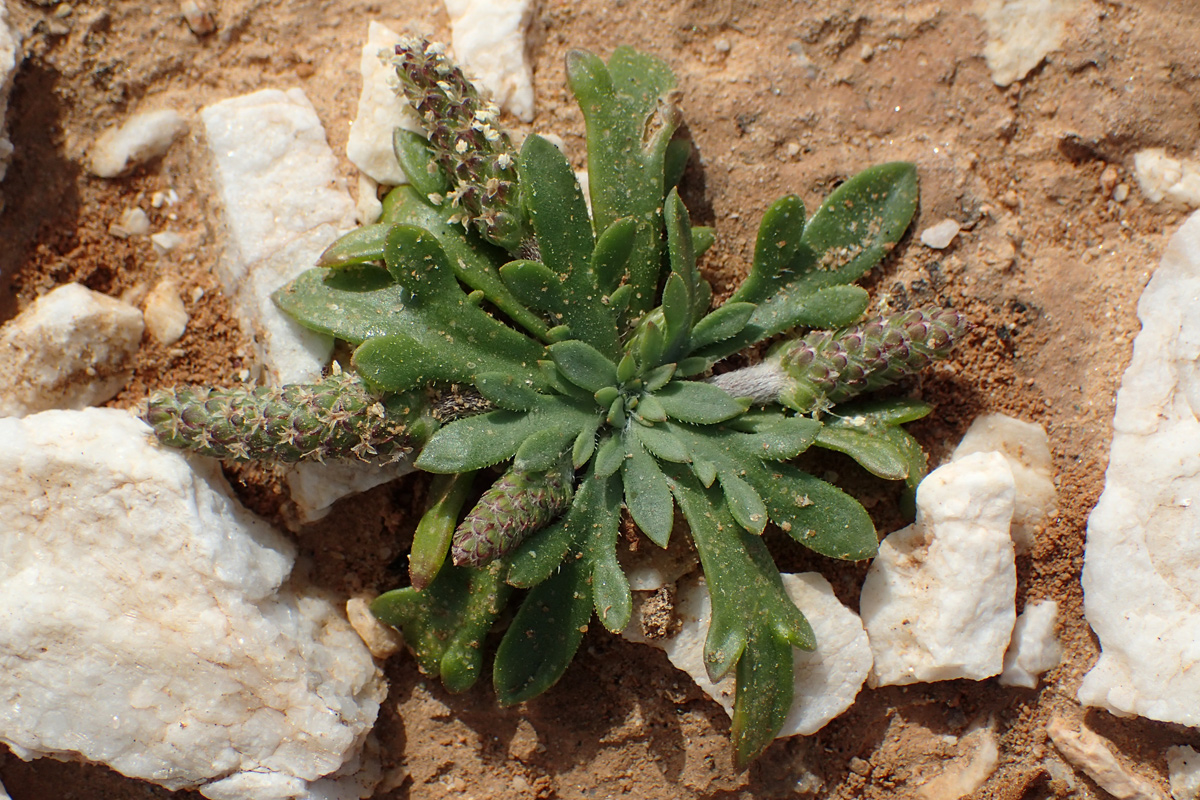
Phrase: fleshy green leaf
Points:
(650, 409)
(783, 439)
(585, 444)
(543, 449)
(744, 503)
(431, 541)
(698, 403)
(657, 378)
(648, 496)
(610, 455)
(630, 119)
(677, 319)
(661, 442)
(506, 391)
(765, 689)
(889, 411)
(779, 235)
(360, 246)
(610, 258)
(544, 634)
(445, 625)
(720, 324)
(871, 449)
(564, 232)
(417, 162)
(533, 284)
(675, 161)
(583, 365)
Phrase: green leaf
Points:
(831, 307)
(677, 319)
(417, 162)
(698, 403)
(533, 284)
(720, 324)
(765, 689)
(360, 246)
(536, 558)
(486, 439)
(431, 541)
(782, 439)
(543, 449)
(651, 346)
(779, 235)
(744, 503)
(610, 455)
(705, 471)
(873, 451)
(472, 259)
(648, 496)
(353, 304)
(657, 378)
(559, 216)
(888, 411)
(819, 516)
(856, 226)
(610, 589)
(585, 444)
(662, 442)
(610, 258)
(703, 237)
(452, 339)
(650, 409)
(506, 391)
(630, 117)
(675, 161)
(544, 634)
(445, 625)
(680, 252)
(583, 365)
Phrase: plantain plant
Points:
(500, 323)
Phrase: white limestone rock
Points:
(166, 317)
(1183, 769)
(3, 793)
(937, 602)
(1027, 449)
(650, 568)
(1034, 648)
(1088, 751)
(380, 111)
(284, 204)
(1161, 177)
(826, 680)
(148, 624)
(10, 58)
(1141, 571)
(71, 348)
(140, 138)
(382, 640)
(1020, 33)
(941, 235)
(977, 759)
(315, 487)
(488, 37)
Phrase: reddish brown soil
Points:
(1048, 268)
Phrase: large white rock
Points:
(284, 204)
(1090, 752)
(1161, 177)
(10, 56)
(488, 37)
(1034, 647)
(1183, 769)
(147, 623)
(938, 600)
(380, 111)
(140, 138)
(70, 349)
(1027, 449)
(1141, 571)
(1023, 32)
(826, 680)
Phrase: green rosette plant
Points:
(499, 322)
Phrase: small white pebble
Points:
(1108, 179)
(166, 241)
(866, 53)
(722, 46)
(1121, 192)
(197, 293)
(142, 137)
(166, 318)
(199, 19)
(1183, 765)
(940, 236)
(133, 222)
(792, 149)
(382, 640)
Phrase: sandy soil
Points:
(780, 96)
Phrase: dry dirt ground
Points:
(780, 96)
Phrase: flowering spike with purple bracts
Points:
(466, 141)
(336, 417)
(825, 368)
(516, 505)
